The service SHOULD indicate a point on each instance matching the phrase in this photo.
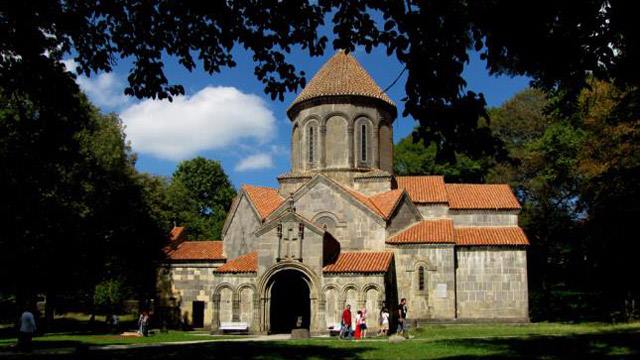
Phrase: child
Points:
(363, 323)
(384, 315)
(358, 322)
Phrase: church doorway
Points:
(197, 314)
(290, 302)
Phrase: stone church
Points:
(341, 229)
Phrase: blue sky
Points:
(227, 116)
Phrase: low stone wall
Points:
(491, 283)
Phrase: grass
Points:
(533, 341)
(75, 339)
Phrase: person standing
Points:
(145, 324)
(140, 321)
(345, 330)
(115, 323)
(384, 320)
(26, 331)
(402, 317)
(363, 323)
(358, 333)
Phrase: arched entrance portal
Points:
(289, 300)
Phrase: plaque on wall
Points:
(441, 290)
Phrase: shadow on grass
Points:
(623, 344)
(218, 350)
(68, 326)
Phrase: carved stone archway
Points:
(266, 285)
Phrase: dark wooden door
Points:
(198, 314)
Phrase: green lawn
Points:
(541, 340)
(74, 339)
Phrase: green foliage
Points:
(199, 197)
(109, 294)
(74, 209)
(574, 176)
(576, 179)
(432, 40)
(414, 158)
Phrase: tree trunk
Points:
(49, 311)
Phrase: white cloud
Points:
(104, 90)
(212, 119)
(255, 162)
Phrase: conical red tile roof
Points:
(339, 76)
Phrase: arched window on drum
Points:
(311, 151)
(363, 142)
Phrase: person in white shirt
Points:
(27, 329)
(384, 321)
(363, 323)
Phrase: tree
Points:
(609, 164)
(109, 295)
(575, 176)
(414, 158)
(200, 195)
(432, 39)
(74, 211)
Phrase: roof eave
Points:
(299, 105)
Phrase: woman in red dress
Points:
(358, 323)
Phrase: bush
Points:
(109, 295)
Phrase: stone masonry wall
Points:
(234, 298)
(372, 186)
(338, 127)
(239, 238)
(358, 290)
(356, 230)
(433, 211)
(484, 217)
(403, 217)
(437, 300)
(492, 283)
(187, 283)
(289, 185)
(311, 248)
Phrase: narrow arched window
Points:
(311, 144)
(363, 143)
(421, 278)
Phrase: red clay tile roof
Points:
(381, 204)
(176, 233)
(363, 199)
(342, 75)
(386, 201)
(246, 263)
(361, 262)
(264, 199)
(481, 196)
(424, 189)
(197, 250)
(426, 232)
(509, 235)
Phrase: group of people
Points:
(347, 330)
